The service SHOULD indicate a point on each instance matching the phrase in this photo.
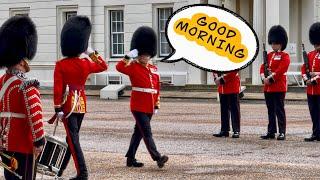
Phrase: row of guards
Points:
(26, 149)
(273, 74)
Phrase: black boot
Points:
(163, 159)
(236, 135)
(132, 162)
(281, 136)
(222, 134)
(268, 136)
(311, 138)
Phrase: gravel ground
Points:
(183, 130)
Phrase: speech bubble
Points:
(211, 38)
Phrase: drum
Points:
(52, 156)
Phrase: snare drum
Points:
(52, 156)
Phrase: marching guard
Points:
(145, 99)
(229, 89)
(310, 74)
(21, 127)
(273, 75)
(70, 75)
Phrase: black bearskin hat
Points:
(314, 34)
(277, 34)
(144, 39)
(18, 40)
(75, 36)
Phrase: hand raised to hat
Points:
(132, 54)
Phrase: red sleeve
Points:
(230, 76)
(303, 69)
(98, 66)
(158, 92)
(283, 67)
(34, 114)
(58, 86)
(262, 69)
(124, 67)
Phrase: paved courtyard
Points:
(183, 130)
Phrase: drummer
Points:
(21, 126)
(70, 75)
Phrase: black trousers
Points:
(275, 105)
(72, 126)
(25, 165)
(314, 108)
(142, 129)
(229, 105)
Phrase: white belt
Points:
(146, 90)
(11, 114)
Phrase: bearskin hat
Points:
(277, 34)
(314, 33)
(18, 40)
(144, 39)
(75, 36)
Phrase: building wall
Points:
(296, 16)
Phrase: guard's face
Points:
(24, 66)
(276, 47)
(144, 58)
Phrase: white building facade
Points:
(114, 22)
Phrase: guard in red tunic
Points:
(21, 126)
(275, 84)
(310, 75)
(229, 89)
(145, 97)
(70, 75)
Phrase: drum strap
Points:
(6, 85)
(75, 102)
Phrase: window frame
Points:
(156, 25)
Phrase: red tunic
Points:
(24, 129)
(314, 66)
(142, 77)
(231, 83)
(279, 65)
(73, 73)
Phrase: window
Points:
(19, 12)
(69, 14)
(163, 45)
(116, 33)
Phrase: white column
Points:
(259, 27)
(215, 2)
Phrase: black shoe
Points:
(79, 178)
(281, 136)
(163, 159)
(236, 135)
(312, 138)
(221, 134)
(134, 163)
(268, 136)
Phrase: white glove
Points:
(60, 115)
(89, 51)
(156, 111)
(133, 53)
